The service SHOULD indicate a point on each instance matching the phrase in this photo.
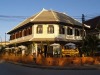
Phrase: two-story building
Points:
(45, 28)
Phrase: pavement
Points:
(71, 67)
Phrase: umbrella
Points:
(55, 44)
(7, 48)
(22, 47)
(70, 44)
(12, 47)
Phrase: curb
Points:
(88, 67)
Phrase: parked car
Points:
(70, 49)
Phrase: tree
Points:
(90, 44)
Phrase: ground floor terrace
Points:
(45, 48)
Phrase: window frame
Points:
(38, 29)
(61, 30)
(69, 31)
(50, 29)
(77, 32)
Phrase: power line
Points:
(12, 18)
(6, 16)
(17, 18)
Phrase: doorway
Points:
(45, 50)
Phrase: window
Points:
(61, 30)
(76, 32)
(20, 33)
(17, 34)
(39, 29)
(11, 37)
(81, 32)
(25, 33)
(50, 29)
(30, 30)
(69, 31)
(14, 36)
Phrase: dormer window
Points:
(39, 29)
(50, 29)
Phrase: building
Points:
(94, 23)
(3, 43)
(95, 30)
(45, 28)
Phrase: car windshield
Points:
(70, 47)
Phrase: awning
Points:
(12, 47)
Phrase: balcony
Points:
(22, 39)
(72, 37)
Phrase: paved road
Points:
(11, 69)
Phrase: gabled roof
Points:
(48, 16)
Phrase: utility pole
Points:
(83, 19)
(83, 29)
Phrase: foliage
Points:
(90, 44)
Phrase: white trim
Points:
(38, 14)
(87, 26)
(31, 39)
(54, 15)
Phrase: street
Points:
(12, 69)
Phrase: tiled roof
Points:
(49, 16)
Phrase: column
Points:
(73, 32)
(36, 51)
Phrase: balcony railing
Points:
(22, 39)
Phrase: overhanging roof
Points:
(48, 16)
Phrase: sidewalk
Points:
(71, 67)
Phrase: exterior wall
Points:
(73, 37)
(45, 34)
(56, 33)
